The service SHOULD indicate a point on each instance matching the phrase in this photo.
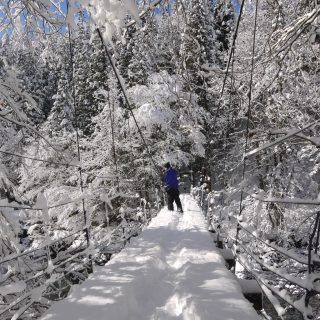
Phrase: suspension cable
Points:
(115, 159)
(231, 99)
(114, 68)
(230, 57)
(249, 112)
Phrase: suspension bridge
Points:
(166, 265)
(172, 270)
(162, 265)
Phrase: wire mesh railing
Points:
(30, 280)
(289, 272)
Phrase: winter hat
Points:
(167, 165)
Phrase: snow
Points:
(43, 205)
(171, 271)
(13, 288)
(107, 13)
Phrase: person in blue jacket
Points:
(171, 185)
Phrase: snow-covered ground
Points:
(171, 271)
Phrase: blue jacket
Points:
(170, 179)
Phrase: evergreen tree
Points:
(62, 112)
(193, 49)
(90, 77)
(143, 59)
(223, 22)
(99, 69)
(125, 53)
(35, 74)
(82, 92)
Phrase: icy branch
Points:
(287, 200)
(314, 140)
(18, 286)
(284, 38)
(147, 8)
(277, 141)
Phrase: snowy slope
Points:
(171, 271)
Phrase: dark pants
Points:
(173, 196)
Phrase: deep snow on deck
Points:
(171, 271)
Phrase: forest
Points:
(95, 96)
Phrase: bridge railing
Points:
(31, 279)
(293, 275)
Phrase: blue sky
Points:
(157, 10)
(236, 5)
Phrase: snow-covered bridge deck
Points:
(171, 271)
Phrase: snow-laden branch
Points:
(146, 9)
(46, 15)
(277, 141)
(108, 16)
(274, 301)
(31, 15)
(44, 9)
(15, 302)
(9, 88)
(35, 295)
(283, 39)
(39, 160)
(18, 286)
(212, 70)
(287, 200)
(314, 140)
